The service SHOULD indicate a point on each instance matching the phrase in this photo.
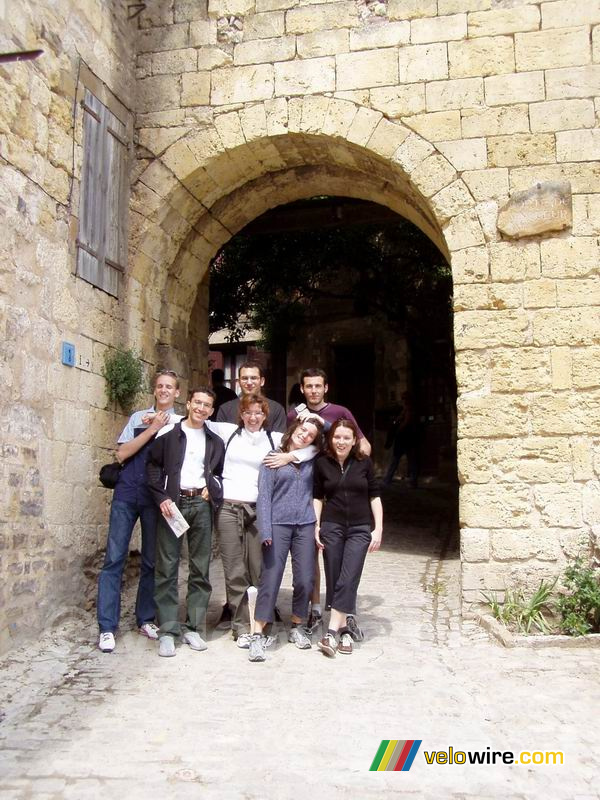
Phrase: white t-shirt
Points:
(192, 469)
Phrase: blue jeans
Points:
(123, 517)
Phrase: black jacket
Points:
(347, 497)
(166, 457)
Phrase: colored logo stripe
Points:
(395, 755)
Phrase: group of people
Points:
(270, 484)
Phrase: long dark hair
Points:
(343, 423)
(287, 436)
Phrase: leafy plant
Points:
(523, 613)
(124, 375)
(579, 603)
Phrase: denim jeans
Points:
(123, 517)
(198, 514)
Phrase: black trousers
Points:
(344, 556)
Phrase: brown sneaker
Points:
(345, 644)
(327, 645)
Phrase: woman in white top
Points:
(246, 446)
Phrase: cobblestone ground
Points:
(76, 723)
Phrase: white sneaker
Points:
(149, 629)
(106, 642)
(166, 646)
(194, 640)
(244, 640)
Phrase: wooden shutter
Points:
(102, 237)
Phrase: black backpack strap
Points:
(237, 432)
(270, 438)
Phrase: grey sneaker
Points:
(353, 628)
(299, 638)
(149, 629)
(194, 640)
(243, 640)
(256, 651)
(166, 646)
(106, 642)
(328, 645)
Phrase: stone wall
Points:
(437, 109)
(55, 427)
(440, 110)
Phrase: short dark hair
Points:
(313, 372)
(287, 436)
(204, 389)
(251, 365)
(217, 375)
(170, 372)
(342, 422)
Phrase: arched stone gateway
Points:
(456, 115)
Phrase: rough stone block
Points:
(561, 367)
(495, 121)
(264, 26)
(579, 292)
(465, 154)
(520, 148)
(195, 89)
(380, 34)
(524, 87)
(500, 506)
(470, 266)
(158, 93)
(578, 145)
(499, 21)
(582, 459)
(458, 6)
(175, 61)
(203, 32)
(387, 138)
(433, 174)
(559, 506)
(583, 178)
(569, 258)
(539, 294)
(475, 544)
(561, 115)
(411, 152)
(586, 215)
(399, 101)
(169, 37)
(367, 69)
(591, 503)
(585, 366)
(478, 330)
(552, 49)
(482, 56)
(339, 118)
(323, 43)
(259, 51)
(438, 29)
(305, 77)
(326, 16)
(569, 13)
(437, 126)
(230, 8)
(213, 57)
(508, 545)
(363, 125)
(472, 375)
(423, 62)
(411, 9)
(453, 200)
(460, 93)
(575, 82)
(487, 184)
(241, 84)
(487, 296)
(566, 326)
(523, 370)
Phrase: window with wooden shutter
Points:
(102, 234)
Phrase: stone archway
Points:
(206, 186)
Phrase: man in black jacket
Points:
(184, 473)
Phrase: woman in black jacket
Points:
(349, 525)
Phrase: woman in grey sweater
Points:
(286, 523)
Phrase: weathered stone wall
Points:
(439, 110)
(55, 427)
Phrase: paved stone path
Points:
(76, 723)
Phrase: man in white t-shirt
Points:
(184, 472)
